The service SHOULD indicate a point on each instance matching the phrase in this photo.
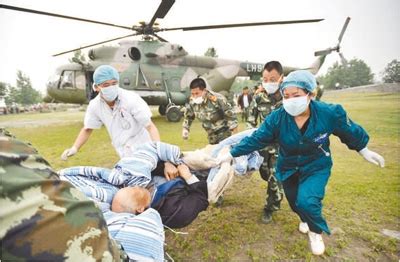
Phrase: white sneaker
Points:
(303, 227)
(316, 243)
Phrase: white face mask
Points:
(295, 106)
(109, 93)
(198, 100)
(271, 88)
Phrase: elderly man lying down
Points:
(130, 186)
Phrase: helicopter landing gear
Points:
(162, 109)
(173, 113)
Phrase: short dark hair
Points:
(245, 88)
(271, 65)
(198, 83)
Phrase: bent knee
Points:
(310, 205)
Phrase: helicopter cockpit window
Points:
(80, 80)
(67, 79)
(134, 53)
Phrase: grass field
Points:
(361, 199)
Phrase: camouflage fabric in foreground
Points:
(43, 218)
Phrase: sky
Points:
(373, 35)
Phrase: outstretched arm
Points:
(153, 131)
(184, 172)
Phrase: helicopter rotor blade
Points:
(160, 38)
(162, 10)
(323, 52)
(346, 23)
(190, 28)
(20, 9)
(102, 42)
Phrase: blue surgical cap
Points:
(302, 79)
(104, 73)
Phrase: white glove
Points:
(69, 152)
(185, 133)
(224, 158)
(372, 157)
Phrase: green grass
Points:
(361, 199)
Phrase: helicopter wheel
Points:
(162, 109)
(174, 113)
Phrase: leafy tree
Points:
(78, 57)
(355, 73)
(211, 52)
(391, 74)
(13, 95)
(3, 89)
(23, 93)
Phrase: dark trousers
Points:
(305, 194)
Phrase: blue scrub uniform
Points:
(304, 162)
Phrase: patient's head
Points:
(131, 200)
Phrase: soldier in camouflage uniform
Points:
(266, 100)
(213, 111)
(319, 91)
(43, 218)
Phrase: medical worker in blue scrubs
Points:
(302, 128)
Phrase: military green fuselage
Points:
(151, 68)
(159, 72)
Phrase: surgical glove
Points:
(372, 157)
(224, 158)
(185, 133)
(69, 152)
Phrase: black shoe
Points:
(266, 217)
(219, 201)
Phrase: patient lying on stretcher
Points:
(131, 187)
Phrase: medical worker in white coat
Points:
(124, 113)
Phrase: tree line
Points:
(23, 93)
(357, 73)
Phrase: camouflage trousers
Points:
(267, 172)
(216, 137)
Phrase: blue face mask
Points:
(109, 93)
(295, 106)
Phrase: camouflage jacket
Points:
(43, 218)
(261, 106)
(215, 114)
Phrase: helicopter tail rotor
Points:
(327, 51)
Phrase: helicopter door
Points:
(141, 81)
(153, 76)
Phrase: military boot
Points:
(266, 217)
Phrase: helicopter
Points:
(159, 71)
